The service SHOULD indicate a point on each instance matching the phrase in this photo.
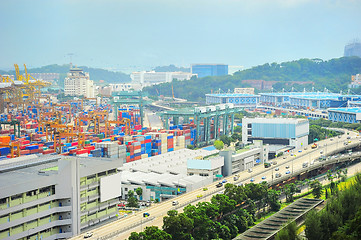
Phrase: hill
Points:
(334, 74)
(171, 68)
(96, 74)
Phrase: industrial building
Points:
(55, 196)
(307, 100)
(348, 115)
(277, 132)
(244, 90)
(78, 83)
(205, 70)
(152, 77)
(163, 176)
(246, 158)
(237, 99)
(205, 167)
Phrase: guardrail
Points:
(115, 233)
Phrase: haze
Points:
(141, 34)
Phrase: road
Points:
(152, 120)
(158, 211)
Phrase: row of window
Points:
(30, 193)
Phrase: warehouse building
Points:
(56, 197)
(237, 99)
(348, 115)
(277, 132)
(307, 100)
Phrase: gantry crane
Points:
(59, 135)
(124, 121)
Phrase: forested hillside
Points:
(334, 74)
(96, 74)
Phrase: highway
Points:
(284, 163)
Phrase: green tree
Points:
(317, 188)
(289, 190)
(151, 233)
(218, 144)
(139, 192)
(180, 226)
(225, 139)
(313, 226)
(273, 199)
(289, 232)
(132, 201)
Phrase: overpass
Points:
(307, 113)
(121, 228)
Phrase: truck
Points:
(313, 146)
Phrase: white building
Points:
(205, 167)
(277, 132)
(355, 81)
(77, 83)
(244, 90)
(152, 77)
(246, 158)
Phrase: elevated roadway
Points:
(293, 162)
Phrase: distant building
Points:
(347, 115)
(353, 49)
(355, 81)
(210, 167)
(244, 90)
(49, 77)
(236, 98)
(205, 70)
(277, 132)
(152, 77)
(77, 83)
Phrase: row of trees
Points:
(224, 217)
(341, 217)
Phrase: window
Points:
(2, 200)
(112, 171)
(249, 125)
(102, 174)
(90, 177)
(45, 189)
(16, 196)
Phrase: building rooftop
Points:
(231, 95)
(346, 110)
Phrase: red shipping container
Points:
(74, 144)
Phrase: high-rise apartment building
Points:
(353, 49)
(77, 83)
(204, 70)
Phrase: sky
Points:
(142, 34)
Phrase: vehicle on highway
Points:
(288, 172)
(220, 184)
(250, 170)
(345, 143)
(240, 184)
(264, 177)
(305, 164)
(274, 163)
(339, 136)
(348, 137)
(299, 150)
(305, 148)
(224, 181)
(174, 203)
(235, 178)
(349, 141)
(331, 139)
(287, 167)
(146, 214)
(313, 162)
(199, 196)
(321, 152)
(284, 157)
(276, 169)
(88, 235)
(278, 175)
(251, 180)
(314, 146)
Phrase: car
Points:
(331, 139)
(220, 184)
(288, 172)
(348, 137)
(305, 148)
(284, 157)
(199, 196)
(235, 178)
(278, 175)
(276, 169)
(292, 154)
(174, 203)
(224, 181)
(274, 163)
(88, 235)
(339, 136)
(299, 150)
(349, 141)
(240, 184)
(250, 170)
(264, 177)
(146, 214)
(287, 167)
(251, 180)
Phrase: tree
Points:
(218, 144)
(139, 192)
(289, 232)
(238, 129)
(273, 199)
(132, 201)
(151, 233)
(225, 139)
(180, 226)
(289, 190)
(317, 188)
(313, 226)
